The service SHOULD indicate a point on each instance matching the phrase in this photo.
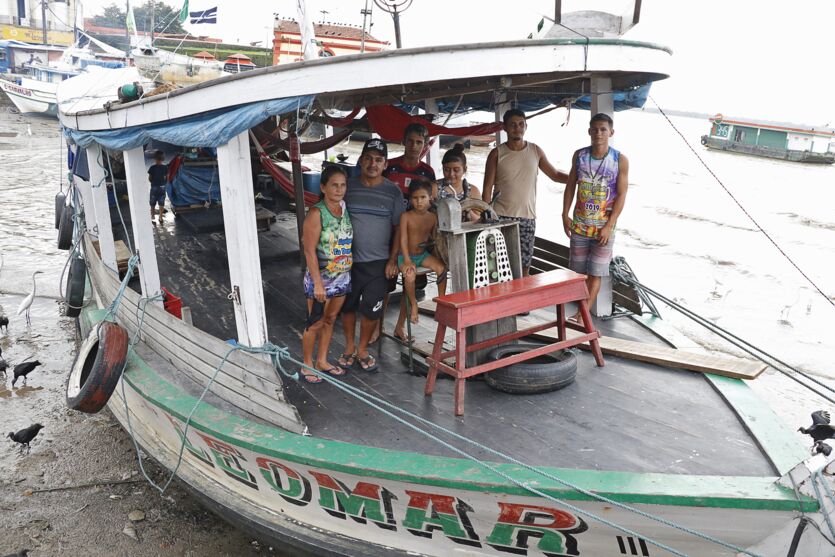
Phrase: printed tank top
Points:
(335, 241)
(596, 191)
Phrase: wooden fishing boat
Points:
(633, 458)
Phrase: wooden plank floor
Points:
(627, 416)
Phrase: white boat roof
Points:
(526, 69)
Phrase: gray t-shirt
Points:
(374, 210)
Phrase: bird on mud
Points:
(25, 436)
(26, 304)
(4, 323)
(21, 553)
(24, 369)
(820, 429)
(3, 364)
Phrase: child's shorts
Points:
(157, 196)
(416, 259)
(336, 286)
(588, 257)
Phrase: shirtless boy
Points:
(416, 228)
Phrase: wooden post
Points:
(88, 203)
(602, 100)
(298, 190)
(241, 230)
(501, 107)
(101, 207)
(433, 158)
(140, 220)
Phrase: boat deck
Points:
(669, 421)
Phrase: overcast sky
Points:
(762, 59)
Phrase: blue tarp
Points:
(211, 129)
(194, 185)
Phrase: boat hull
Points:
(31, 99)
(319, 497)
(768, 152)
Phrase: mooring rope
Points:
(735, 340)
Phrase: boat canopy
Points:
(212, 129)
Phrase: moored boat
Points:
(773, 140)
(631, 459)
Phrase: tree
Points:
(165, 18)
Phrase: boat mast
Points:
(43, 21)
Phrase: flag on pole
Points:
(205, 16)
(130, 22)
(184, 12)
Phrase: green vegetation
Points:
(165, 17)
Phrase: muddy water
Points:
(44, 504)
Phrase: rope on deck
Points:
(619, 271)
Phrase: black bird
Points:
(24, 369)
(821, 429)
(21, 553)
(4, 323)
(3, 364)
(25, 436)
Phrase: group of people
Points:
(360, 236)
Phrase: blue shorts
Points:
(416, 259)
(336, 286)
(588, 257)
(157, 196)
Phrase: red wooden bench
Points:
(481, 305)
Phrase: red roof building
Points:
(334, 40)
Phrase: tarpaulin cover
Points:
(389, 122)
(194, 185)
(210, 129)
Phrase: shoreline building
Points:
(23, 20)
(334, 40)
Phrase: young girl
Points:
(416, 228)
(454, 184)
(327, 241)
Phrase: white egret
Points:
(27, 301)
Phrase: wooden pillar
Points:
(88, 204)
(241, 233)
(298, 190)
(433, 158)
(101, 207)
(140, 219)
(602, 100)
(502, 106)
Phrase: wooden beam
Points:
(241, 231)
(101, 207)
(140, 220)
(602, 100)
(87, 202)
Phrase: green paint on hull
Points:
(735, 492)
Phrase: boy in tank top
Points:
(599, 176)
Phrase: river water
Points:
(681, 232)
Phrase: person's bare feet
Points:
(415, 316)
(400, 335)
(576, 318)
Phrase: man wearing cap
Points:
(375, 205)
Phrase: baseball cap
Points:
(375, 144)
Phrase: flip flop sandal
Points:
(405, 339)
(368, 363)
(334, 371)
(311, 378)
(347, 361)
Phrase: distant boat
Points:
(775, 140)
(237, 63)
(163, 66)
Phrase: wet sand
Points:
(46, 503)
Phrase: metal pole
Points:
(298, 189)
(127, 31)
(43, 20)
(396, 17)
(364, 13)
(152, 22)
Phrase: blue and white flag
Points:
(205, 16)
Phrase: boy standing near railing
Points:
(158, 176)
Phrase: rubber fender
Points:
(97, 368)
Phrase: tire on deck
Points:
(542, 374)
(97, 368)
(76, 282)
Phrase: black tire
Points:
(704, 140)
(76, 282)
(60, 203)
(65, 229)
(97, 368)
(540, 375)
